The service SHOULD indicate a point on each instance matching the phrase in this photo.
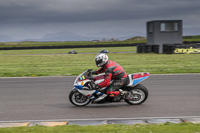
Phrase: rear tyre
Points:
(78, 99)
(137, 95)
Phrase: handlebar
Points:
(90, 74)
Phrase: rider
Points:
(112, 71)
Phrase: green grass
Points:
(65, 64)
(191, 38)
(64, 51)
(148, 128)
(30, 44)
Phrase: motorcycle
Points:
(84, 91)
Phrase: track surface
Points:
(46, 98)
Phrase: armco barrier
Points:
(140, 49)
(84, 122)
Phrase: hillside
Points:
(185, 38)
(191, 38)
(137, 38)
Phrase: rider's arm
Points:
(108, 77)
(101, 70)
(106, 81)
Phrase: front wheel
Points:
(78, 99)
(137, 95)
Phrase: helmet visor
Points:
(98, 62)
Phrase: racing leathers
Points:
(113, 71)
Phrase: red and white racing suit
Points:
(115, 72)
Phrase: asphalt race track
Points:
(46, 98)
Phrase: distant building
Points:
(95, 41)
(161, 32)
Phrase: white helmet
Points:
(101, 59)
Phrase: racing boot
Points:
(113, 93)
(115, 96)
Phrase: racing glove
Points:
(93, 72)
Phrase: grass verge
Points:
(148, 128)
(31, 44)
(65, 64)
(64, 51)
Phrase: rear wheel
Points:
(78, 99)
(137, 95)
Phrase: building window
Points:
(176, 26)
(150, 25)
(169, 27)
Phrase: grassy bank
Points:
(31, 44)
(128, 41)
(64, 51)
(65, 64)
(191, 38)
(149, 128)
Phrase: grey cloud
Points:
(88, 10)
(91, 16)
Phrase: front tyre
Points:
(137, 95)
(78, 99)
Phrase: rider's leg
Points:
(116, 84)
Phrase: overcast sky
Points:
(33, 19)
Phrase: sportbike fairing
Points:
(82, 80)
(136, 78)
